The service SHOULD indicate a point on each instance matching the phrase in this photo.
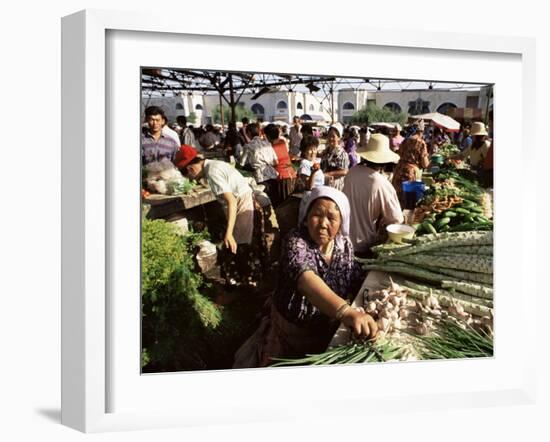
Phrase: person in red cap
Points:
(246, 251)
(184, 156)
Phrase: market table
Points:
(165, 205)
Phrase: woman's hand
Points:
(230, 243)
(362, 324)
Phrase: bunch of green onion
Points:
(351, 353)
(454, 341)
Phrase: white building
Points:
(283, 106)
(276, 106)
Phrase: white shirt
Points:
(374, 205)
(262, 158)
(188, 137)
(171, 133)
(224, 178)
(305, 169)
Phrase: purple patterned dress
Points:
(343, 275)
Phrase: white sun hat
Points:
(378, 150)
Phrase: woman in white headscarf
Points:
(317, 280)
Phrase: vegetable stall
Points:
(432, 295)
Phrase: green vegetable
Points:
(467, 250)
(450, 293)
(449, 214)
(448, 300)
(353, 353)
(468, 204)
(481, 219)
(408, 270)
(446, 240)
(453, 341)
(428, 227)
(471, 263)
(442, 221)
(461, 275)
(176, 315)
(479, 290)
(461, 210)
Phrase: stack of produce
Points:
(454, 202)
(448, 150)
(450, 256)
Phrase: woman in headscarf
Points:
(413, 156)
(335, 160)
(317, 280)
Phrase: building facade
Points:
(462, 105)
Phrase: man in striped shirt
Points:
(155, 145)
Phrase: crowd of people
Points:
(348, 183)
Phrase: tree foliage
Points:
(240, 113)
(375, 114)
(192, 118)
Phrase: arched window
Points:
(394, 107)
(282, 105)
(198, 107)
(419, 106)
(445, 107)
(320, 108)
(299, 106)
(179, 106)
(311, 107)
(258, 109)
(348, 106)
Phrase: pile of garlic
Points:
(394, 310)
(389, 307)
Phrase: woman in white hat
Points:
(477, 151)
(413, 154)
(373, 200)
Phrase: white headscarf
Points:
(335, 195)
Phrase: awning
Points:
(312, 117)
(389, 125)
(439, 120)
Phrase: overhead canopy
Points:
(231, 85)
(440, 120)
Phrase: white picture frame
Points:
(87, 213)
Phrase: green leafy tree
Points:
(240, 113)
(375, 114)
(192, 118)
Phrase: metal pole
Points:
(332, 104)
(221, 109)
(231, 97)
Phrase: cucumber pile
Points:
(465, 216)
